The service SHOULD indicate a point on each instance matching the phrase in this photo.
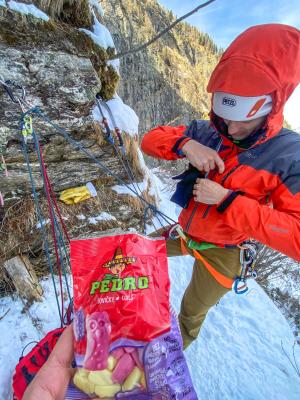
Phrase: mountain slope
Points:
(166, 82)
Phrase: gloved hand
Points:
(78, 194)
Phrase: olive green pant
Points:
(203, 291)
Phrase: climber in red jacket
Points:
(247, 180)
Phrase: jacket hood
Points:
(265, 59)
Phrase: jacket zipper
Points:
(229, 173)
(197, 205)
(206, 211)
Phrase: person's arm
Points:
(52, 380)
(164, 142)
(170, 143)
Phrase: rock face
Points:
(166, 82)
(62, 70)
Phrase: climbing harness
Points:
(247, 255)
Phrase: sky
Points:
(223, 20)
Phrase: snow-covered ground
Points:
(240, 353)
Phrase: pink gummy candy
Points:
(118, 353)
(129, 349)
(98, 330)
(123, 368)
(136, 358)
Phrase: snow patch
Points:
(27, 9)
(115, 64)
(100, 35)
(97, 5)
(104, 216)
(125, 118)
(44, 222)
(81, 217)
(132, 189)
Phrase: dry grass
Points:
(98, 134)
(131, 146)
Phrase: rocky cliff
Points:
(166, 82)
(49, 47)
(62, 69)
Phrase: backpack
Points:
(30, 364)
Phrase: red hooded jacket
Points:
(265, 59)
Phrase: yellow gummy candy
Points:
(102, 377)
(143, 380)
(107, 391)
(132, 379)
(111, 363)
(81, 381)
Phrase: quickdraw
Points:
(26, 127)
(105, 124)
(123, 159)
(117, 130)
(247, 256)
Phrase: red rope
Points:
(57, 209)
(51, 214)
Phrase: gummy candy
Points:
(98, 339)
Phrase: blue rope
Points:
(77, 145)
(56, 225)
(39, 212)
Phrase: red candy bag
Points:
(121, 302)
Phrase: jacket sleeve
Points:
(277, 227)
(164, 142)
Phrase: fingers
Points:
(62, 353)
(202, 157)
(220, 164)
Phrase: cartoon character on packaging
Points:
(98, 330)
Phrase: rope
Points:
(61, 253)
(78, 146)
(51, 214)
(127, 167)
(39, 212)
(56, 232)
